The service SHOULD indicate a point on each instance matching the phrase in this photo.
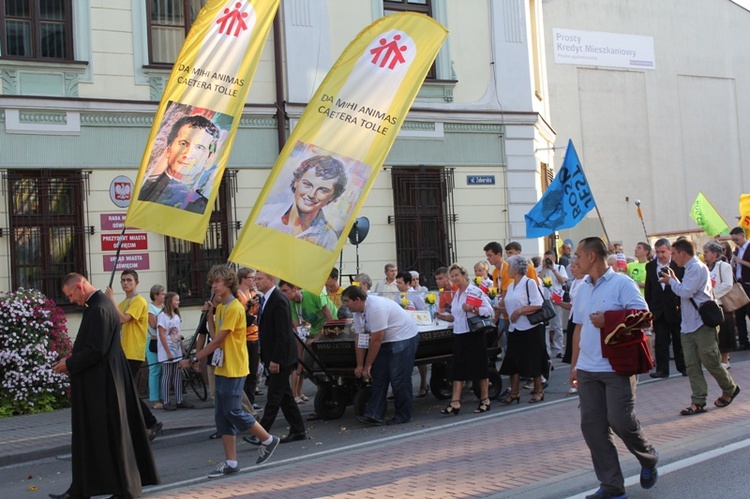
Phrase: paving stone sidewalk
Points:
(531, 451)
(23, 438)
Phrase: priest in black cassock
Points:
(110, 450)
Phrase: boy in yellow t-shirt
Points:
(227, 329)
(133, 312)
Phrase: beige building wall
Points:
(492, 81)
(657, 135)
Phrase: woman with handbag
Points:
(470, 311)
(722, 280)
(527, 351)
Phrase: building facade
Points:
(81, 81)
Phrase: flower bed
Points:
(33, 336)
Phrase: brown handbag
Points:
(736, 298)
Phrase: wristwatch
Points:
(194, 358)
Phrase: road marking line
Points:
(35, 438)
(679, 465)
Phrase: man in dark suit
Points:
(665, 306)
(279, 354)
(741, 271)
(111, 453)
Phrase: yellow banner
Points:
(197, 119)
(745, 212)
(322, 176)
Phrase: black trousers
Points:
(148, 417)
(665, 333)
(280, 397)
(740, 318)
(251, 381)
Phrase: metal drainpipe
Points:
(279, 72)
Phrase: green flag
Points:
(707, 218)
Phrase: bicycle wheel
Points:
(195, 381)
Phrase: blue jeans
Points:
(154, 375)
(393, 364)
(228, 412)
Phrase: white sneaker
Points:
(529, 385)
(572, 390)
(299, 400)
(726, 366)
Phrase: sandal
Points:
(423, 393)
(689, 411)
(536, 397)
(483, 406)
(721, 402)
(451, 409)
(214, 436)
(510, 398)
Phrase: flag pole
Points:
(714, 208)
(640, 215)
(117, 255)
(596, 205)
(601, 221)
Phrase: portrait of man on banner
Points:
(314, 195)
(183, 165)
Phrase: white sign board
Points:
(594, 48)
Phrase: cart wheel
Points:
(330, 402)
(195, 381)
(360, 400)
(495, 385)
(441, 383)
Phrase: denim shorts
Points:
(228, 413)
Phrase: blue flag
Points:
(565, 202)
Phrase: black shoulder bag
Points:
(544, 314)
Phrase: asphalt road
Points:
(189, 455)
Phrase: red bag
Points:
(623, 341)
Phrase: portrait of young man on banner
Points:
(314, 195)
(183, 165)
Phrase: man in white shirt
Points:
(699, 344)
(607, 399)
(387, 339)
(387, 286)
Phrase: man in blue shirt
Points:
(699, 345)
(607, 399)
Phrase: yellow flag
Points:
(320, 181)
(197, 119)
(745, 212)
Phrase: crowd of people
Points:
(250, 326)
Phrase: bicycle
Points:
(194, 379)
